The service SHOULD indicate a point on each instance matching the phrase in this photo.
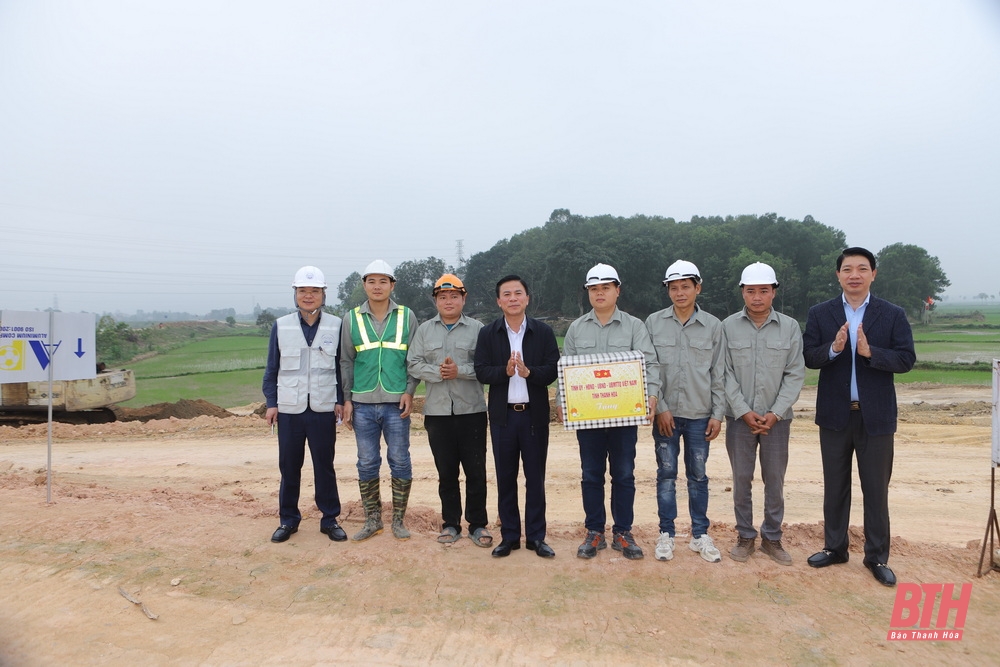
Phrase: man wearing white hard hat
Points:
(378, 395)
(692, 404)
(304, 400)
(764, 375)
(607, 329)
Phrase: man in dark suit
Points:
(517, 357)
(858, 342)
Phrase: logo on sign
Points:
(914, 610)
(12, 356)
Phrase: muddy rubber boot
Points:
(400, 497)
(371, 499)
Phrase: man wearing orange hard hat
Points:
(441, 354)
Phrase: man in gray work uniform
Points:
(442, 354)
(764, 374)
(692, 403)
(607, 329)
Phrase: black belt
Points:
(518, 407)
(855, 405)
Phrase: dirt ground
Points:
(177, 515)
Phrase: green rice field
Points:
(227, 370)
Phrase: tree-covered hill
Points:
(554, 259)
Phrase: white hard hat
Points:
(379, 266)
(309, 276)
(680, 270)
(758, 273)
(600, 274)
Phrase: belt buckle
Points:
(855, 405)
(520, 407)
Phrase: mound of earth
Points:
(182, 409)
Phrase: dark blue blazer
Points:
(541, 355)
(891, 342)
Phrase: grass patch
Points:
(943, 374)
(224, 370)
(960, 352)
(224, 389)
(976, 313)
(972, 374)
(214, 355)
(971, 336)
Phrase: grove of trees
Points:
(554, 259)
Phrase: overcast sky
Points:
(192, 155)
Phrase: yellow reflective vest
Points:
(380, 360)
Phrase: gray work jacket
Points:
(429, 347)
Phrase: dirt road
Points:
(178, 515)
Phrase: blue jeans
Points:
(371, 422)
(695, 459)
(614, 446)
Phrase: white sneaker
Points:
(664, 547)
(703, 544)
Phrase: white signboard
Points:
(27, 347)
(996, 413)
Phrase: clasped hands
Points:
(760, 424)
(516, 365)
(843, 336)
(449, 369)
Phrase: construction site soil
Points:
(155, 550)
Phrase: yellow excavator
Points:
(73, 401)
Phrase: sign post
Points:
(29, 343)
(992, 524)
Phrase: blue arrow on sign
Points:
(79, 348)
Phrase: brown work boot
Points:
(774, 549)
(744, 547)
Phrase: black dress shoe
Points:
(540, 548)
(283, 533)
(335, 532)
(505, 547)
(882, 573)
(826, 557)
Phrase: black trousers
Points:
(320, 429)
(460, 441)
(519, 440)
(874, 455)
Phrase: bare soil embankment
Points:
(177, 513)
